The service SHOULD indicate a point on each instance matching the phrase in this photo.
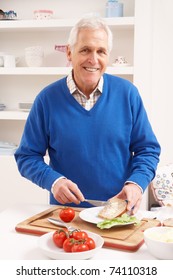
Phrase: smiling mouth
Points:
(89, 69)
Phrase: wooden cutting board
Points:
(128, 238)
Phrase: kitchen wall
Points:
(162, 77)
(156, 52)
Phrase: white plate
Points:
(91, 215)
(49, 249)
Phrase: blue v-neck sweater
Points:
(98, 149)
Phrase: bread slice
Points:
(114, 208)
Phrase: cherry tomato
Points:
(59, 237)
(67, 214)
(79, 235)
(81, 247)
(90, 242)
(68, 244)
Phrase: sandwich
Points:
(114, 207)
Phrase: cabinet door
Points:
(16, 189)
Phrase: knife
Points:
(96, 202)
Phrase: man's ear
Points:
(68, 52)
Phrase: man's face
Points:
(89, 58)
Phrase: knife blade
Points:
(96, 202)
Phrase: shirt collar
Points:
(72, 86)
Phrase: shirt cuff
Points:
(131, 182)
(62, 177)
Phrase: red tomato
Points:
(67, 214)
(79, 247)
(79, 235)
(59, 237)
(90, 242)
(68, 244)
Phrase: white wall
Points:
(153, 61)
(162, 76)
(153, 68)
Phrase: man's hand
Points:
(132, 193)
(65, 191)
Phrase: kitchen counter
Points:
(19, 246)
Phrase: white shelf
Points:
(35, 71)
(120, 70)
(13, 115)
(128, 70)
(37, 26)
(6, 25)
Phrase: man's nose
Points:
(93, 58)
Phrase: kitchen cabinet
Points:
(16, 189)
(22, 83)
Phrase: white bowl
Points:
(34, 60)
(49, 249)
(43, 14)
(34, 50)
(159, 241)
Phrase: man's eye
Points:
(102, 52)
(84, 51)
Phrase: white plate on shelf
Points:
(49, 249)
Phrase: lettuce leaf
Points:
(122, 220)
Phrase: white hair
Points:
(90, 22)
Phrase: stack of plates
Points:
(7, 148)
(2, 106)
(25, 106)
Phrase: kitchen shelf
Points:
(13, 115)
(51, 24)
(127, 70)
(23, 82)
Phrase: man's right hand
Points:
(65, 191)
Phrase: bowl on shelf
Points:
(34, 56)
(159, 241)
(43, 14)
(7, 148)
(120, 61)
(25, 106)
(62, 48)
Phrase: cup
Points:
(2, 59)
(9, 61)
(34, 56)
(121, 61)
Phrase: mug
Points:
(121, 61)
(9, 60)
(2, 59)
(34, 56)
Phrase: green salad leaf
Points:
(122, 220)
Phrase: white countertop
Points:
(19, 246)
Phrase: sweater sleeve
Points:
(144, 145)
(34, 143)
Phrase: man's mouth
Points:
(89, 69)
